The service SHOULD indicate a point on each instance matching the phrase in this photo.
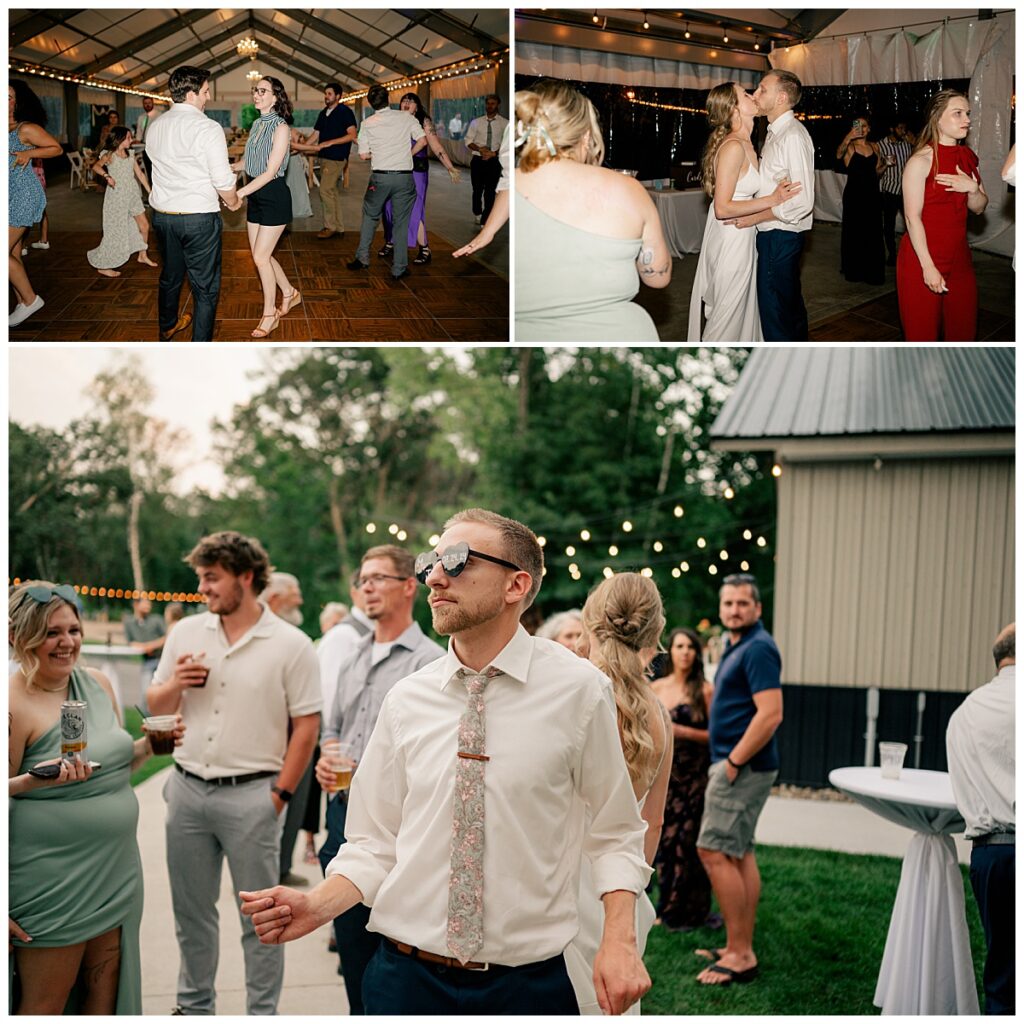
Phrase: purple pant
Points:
(419, 210)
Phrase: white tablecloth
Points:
(683, 215)
(927, 966)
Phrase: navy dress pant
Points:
(779, 300)
(993, 879)
(189, 244)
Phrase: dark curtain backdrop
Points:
(655, 141)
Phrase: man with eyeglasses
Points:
(745, 713)
(396, 648)
(489, 774)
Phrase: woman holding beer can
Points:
(622, 624)
(75, 878)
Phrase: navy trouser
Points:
(356, 945)
(398, 984)
(783, 314)
(401, 190)
(993, 879)
(189, 243)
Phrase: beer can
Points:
(73, 737)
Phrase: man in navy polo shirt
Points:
(745, 713)
(332, 138)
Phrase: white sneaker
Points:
(22, 312)
(40, 245)
(24, 252)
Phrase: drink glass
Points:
(206, 677)
(892, 755)
(342, 763)
(160, 730)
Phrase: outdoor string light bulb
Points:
(747, 535)
(371, 527)
(613, 550)
(658, 546)
(584, 535)
(596, 18)
(647, 24)
(570, 551)
(627, 526)
(686, 34)
(776, 470)
(540, 540)
(725, 36)
(678, 511)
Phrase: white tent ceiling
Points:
(358, 47)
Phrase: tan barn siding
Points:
(897, 577)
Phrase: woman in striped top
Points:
(270, 204)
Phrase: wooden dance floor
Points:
(879, 320)
(447, 300)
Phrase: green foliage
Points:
(821, 929)
(247, 116)
(338, 439)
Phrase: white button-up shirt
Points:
(505, 159)
(788, 148)
(980, 752)
(388, 136)
(237, 723)
(477, 131)
(554, 749)
(190, 161)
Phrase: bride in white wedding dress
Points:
(725, 284)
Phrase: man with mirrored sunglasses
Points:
(488, 775)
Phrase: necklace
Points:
(46, 689)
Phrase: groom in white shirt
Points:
(472, 873)
(788, 154)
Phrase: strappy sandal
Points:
(386, 251)
(424, 256)
(289, 303)
(259, 332)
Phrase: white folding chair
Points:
(75, 159)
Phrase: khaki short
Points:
(731, 812)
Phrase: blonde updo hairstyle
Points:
(551, 119)
(28, 622)
(623, 616)
(721, 106)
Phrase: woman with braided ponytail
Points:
(586, 236)
(725, 281)
(622, 622)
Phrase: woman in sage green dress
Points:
(75, 877)
(586, 236)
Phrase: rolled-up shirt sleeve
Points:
(215, 150)
(614, 842)
(368, 854)
(363, 140)
(799, 155)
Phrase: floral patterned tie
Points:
(466, 881)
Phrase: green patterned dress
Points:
(74, 866)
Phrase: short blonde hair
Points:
(551, 119)
(520, 544)
(29, 620)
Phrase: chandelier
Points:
(254, 75)
(248, 48)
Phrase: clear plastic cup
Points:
(340, 758)
(160, 730)
(891, 756)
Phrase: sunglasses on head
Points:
(43, 595)
(453, 560)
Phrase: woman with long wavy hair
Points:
(622, 623)
(269, 208)
(935, 283)
(684, 892)
(724, 286)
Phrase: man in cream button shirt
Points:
(240, 767)
(551, 755)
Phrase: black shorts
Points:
(270, 205)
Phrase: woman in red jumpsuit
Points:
(935, 282)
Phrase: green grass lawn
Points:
(133, 723)
(821, 931)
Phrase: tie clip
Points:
(474, 757)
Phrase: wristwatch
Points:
(284, 794)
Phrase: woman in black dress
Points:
(862, 249)
(684, 900)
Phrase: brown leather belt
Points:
(435, 958)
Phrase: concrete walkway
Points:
(312, 986)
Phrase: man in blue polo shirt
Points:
(745, 713)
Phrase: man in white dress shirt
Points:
(788, 154)
(482, 139)
(191, 175)
(389, 139)
(980, 752)
(548, 750)
(142, 125)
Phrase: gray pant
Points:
(401, 190)
(204, 823)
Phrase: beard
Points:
(457, 618)
(293, 616)
(229, 605)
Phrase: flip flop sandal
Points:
(712, 955)
(731, 976)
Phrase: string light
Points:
(596, 19)
(747, 535)
(570, 551)
(647, 24)
(701, 542)
(434, 539)
(393, 529)
(685, 566)
(776, 470)
(745, 565)
(676, 573)
(584, 535)
(469, 66)
(130, 594)
(678, 511)
(658, 546)
(686, 34)
(665, 106)
(371, 527)
(542, 541)
(761, 542)
(627, 526)
(713, 570)
(608, 572)
(613, 550)
(24, 68)
(729, 493)
(723, 555)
